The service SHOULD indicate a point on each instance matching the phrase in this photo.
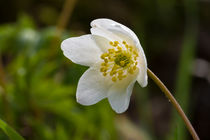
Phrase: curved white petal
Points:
(102, 43)
(116, 27)
(119, 97)
(92, 87)
(82, 50)
(142, 76)
(105, 33)
(120, 92)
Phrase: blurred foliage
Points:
(38, 96)
(38, 84)
(185, 68)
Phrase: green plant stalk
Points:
(174, 103)
(184, 76)
(183, 82)
(9, 131)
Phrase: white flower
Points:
(116, 60)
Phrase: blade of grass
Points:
(9, 131)
(184, 74)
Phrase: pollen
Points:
(114, 79)
(119, 61)
(122, 63)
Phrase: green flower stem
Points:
(174, 102)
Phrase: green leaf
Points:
(10, 132)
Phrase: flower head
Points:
(116, 60)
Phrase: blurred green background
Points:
(38, 84)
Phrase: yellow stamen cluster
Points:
(119, 61)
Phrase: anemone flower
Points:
(116, 61)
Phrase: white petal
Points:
(142, 76)
(82, 50)
(116, 27)
(102, 43)
(105, 33)
(120, 92)
(92, 87)
(119, 97)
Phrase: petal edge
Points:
(92, 87)
(119, 98)
(81, 50)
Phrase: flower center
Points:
(122, 60)
(119, 61)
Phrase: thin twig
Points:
(65, 15)
(174, 102)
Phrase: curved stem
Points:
(174, 102)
